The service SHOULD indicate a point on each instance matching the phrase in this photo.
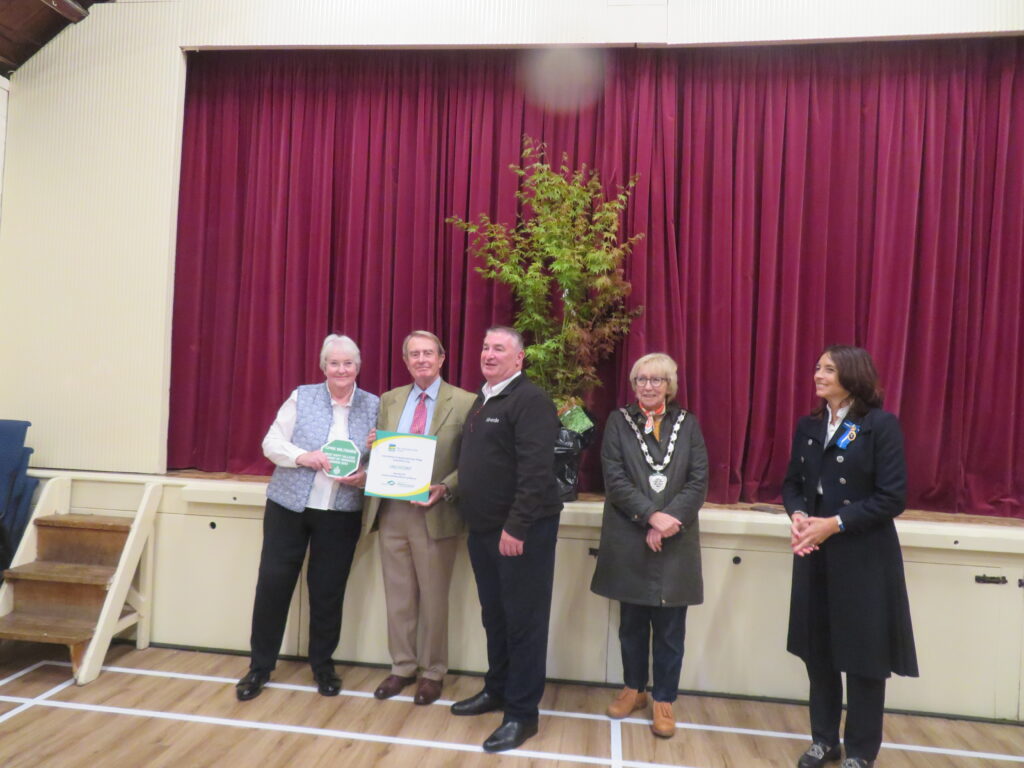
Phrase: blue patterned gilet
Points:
(290, 487)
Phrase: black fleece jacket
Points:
(506, 462)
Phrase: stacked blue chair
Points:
(16, 487)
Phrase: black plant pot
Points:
(568, 447)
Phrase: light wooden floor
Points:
(177, 709)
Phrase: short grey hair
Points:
(422, 335)
(337, 340)
(661, 365)
(510, 331)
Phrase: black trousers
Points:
(666, 626)
(865, 704)
(515, 606)
(865, 696)
(331, 538)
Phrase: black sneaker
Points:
(818, 755)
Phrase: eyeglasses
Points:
(654, 381)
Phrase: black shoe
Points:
(478, 705)
(857, 762)
(250, 686)
(327, 682)
(510, 734)
(818, 755)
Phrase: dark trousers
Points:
(865, 696)
(865, 703)
(638, 625)
(331, 538)
(515, 606)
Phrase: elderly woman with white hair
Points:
(655, 478)
(307, 508)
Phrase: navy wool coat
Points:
(867, 610)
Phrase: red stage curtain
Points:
(791, 197)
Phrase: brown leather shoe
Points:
(392, 685)
(427, 692)
(664, 724)
(626, 702)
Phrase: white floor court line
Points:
(300, 729)
(616, 743)
(727, 729)
(25, 671)
(430, 744)
(29, 703)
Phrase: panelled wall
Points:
(86, 239)
(964, 584)
(89, 197)
(5, 87)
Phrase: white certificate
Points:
(400, 466)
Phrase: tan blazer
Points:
(450, 412)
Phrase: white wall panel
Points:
(332, 23)
(5, 86)
(709, 22)
(85, 246)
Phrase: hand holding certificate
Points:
(400, 466)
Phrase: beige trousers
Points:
(417, 573)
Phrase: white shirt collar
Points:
(830, 428)
(490, 391)
(841, 413)
(431, 391)
(346, 403)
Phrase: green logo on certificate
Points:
(344, 457)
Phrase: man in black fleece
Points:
(509, 498)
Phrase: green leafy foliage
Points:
(563, 261)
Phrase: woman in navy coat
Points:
(849, 610)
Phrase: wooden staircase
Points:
(79, 579)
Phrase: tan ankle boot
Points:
(664, 724)
(627, 701)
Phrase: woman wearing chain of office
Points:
(655, 477)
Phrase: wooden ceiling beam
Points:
(7, 64)
(69, 9)
(13, 51)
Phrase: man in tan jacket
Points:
(418, 539)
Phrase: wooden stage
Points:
(177, 709)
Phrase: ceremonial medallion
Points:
(658, 482)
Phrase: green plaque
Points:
(344, 457)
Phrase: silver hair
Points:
(337, 340)
(422, 335)
(510, 331)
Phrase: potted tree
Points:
(563, 261)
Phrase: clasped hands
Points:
(807, 533)
(662, 526)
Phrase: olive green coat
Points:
(627, 569)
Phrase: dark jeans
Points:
(331, 537)
(515, 606)
(865, 695)
(638, 625)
